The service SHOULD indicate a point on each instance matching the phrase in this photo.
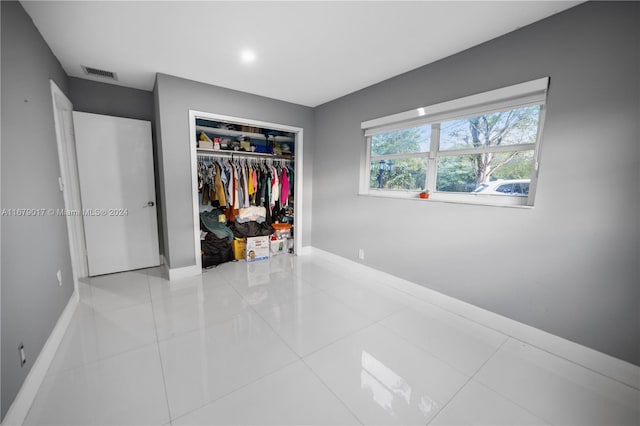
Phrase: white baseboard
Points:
(614, 368)
(22, 403)
(184, 272)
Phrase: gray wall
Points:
(175, 97)
(33, 248)
(109, 99)
(569, 265)
(118, 101)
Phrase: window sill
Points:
(469, 199)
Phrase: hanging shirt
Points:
(292, 179)
(263, 187)
(228, 170)
(269, 190)
(245, 188)
(267, 194)
(275, 186)
(250, 179)
(285, 187)
(232, 201)
(255, 180)
(236, 187)
(219, 188)
(241, 186)
(223, 176)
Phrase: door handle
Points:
(150, 204)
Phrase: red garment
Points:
(284, 196)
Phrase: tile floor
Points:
(297, 341)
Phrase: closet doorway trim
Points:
(298, 161)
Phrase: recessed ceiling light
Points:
(248, 56)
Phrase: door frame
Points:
(70, 184)
(298, 181)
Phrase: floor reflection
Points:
(390, 390)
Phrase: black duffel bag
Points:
(215, 250)
(251, 229)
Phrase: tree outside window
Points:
(470, 151)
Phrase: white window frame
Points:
(517, 96)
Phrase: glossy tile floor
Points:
(297, 341)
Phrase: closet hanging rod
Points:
(239, 154)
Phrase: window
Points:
(479, 149)
(399, 159)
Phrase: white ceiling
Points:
(308, 52)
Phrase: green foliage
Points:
(397, 142)
(519, 167)
(406, 174)
(455, 174)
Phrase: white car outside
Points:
(513, 187)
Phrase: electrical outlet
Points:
(23, 357)
(59, 276)
(361, 254)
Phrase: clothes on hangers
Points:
(234, 184)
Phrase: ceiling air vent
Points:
(99, 73)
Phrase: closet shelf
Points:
(227, 132)
(225, 152)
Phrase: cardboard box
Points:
(206, 145)
(239, 246)
(257, 249)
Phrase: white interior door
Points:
(115, 166)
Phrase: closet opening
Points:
(247, 186)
